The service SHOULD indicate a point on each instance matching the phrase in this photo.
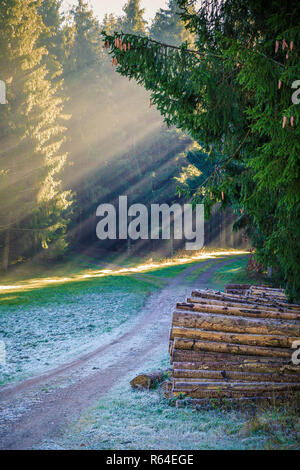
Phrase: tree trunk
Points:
(223, 229)
(206, 357)
(238, 376)
(220, 389)
(233, 324)
(6, 249)
(247, 300)
(235, 338)
(240, 312)
(147, 381)
(213, 346)
(262, 365)
(254, 307)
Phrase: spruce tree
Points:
(32, 204)
(168, 27)
(232, 93)
(133, 20)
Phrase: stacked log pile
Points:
(234, 345)
(256, 291)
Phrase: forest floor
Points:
(76, 338)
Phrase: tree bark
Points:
(237, 376)
(248, 306)
(234, 338)
(238, 286)
(6, 248)
(208, 321)
(231, 348)
(233, 390)
(147, 381)
(207, 357)
(239, 311)
(246, 300)
(263, 365)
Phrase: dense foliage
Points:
(33, 206)
(232, 92)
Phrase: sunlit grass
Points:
(48, 319)
(75, 272)
(236, 272)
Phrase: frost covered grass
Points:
(45, 322)
(44, 327)
(128, 419)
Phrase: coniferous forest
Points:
(69, 143)
(199, 105)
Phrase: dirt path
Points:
(42, 407)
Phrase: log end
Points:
(141, 381)
(148, 381)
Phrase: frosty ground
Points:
(87, 401)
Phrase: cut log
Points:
(237, 386)
(242, 394)
(265, 365)
(233, 390)
(237, 376)
(238, 286)
(235, 338)
(273, 300)
(250, 305)
(238, 311)
(236, 291)
(181, 355)
(266, 289)
(235, 346)
(147, 381)
(212, 346)
(249, 299)
(206, 357)
(207, 321)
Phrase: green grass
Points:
(42, 319)
(67, 293)
(195, 274)
(236, 272)
(171, 271)
(75, 264)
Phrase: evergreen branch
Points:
(238, 149)
(190, 51)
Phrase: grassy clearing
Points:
(236, 272)
(195, 274)
(78, 267)
(130, 419)
(44, 327)
(47, 321)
